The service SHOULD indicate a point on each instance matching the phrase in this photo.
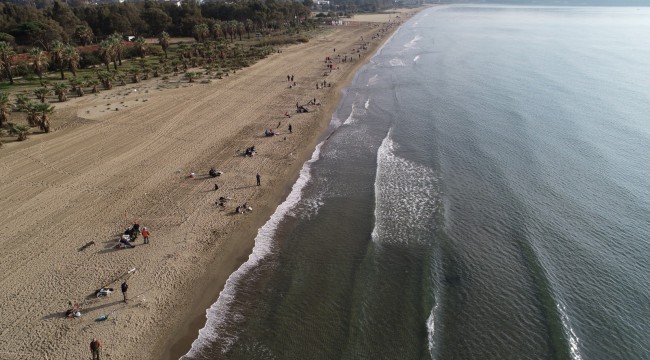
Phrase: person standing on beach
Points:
(145, 235)
(288, 77)
(95, 345)
(290, 132)
(259, 179)
(125, 288)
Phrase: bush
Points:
(130, 53)
(88, 59)
(155, 50)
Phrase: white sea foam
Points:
(415, 59)
(431, 329)
(405, 196)
(350, 119)
(413, 43)
(222, 310)
(574, 341)
(373, 80)
(367, 104)
(396, 62)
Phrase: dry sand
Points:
(125, 155)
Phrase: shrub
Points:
(88, 59)
(155, 50)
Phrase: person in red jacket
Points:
(145, 235)
(95, 345)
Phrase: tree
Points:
(192, 75)
(57, 49)
(6, 54)
(250, 26)
(42, 93)
(61, 89)
(39, 62)
(85, 34)
(163, 40)
(72, 56)
(106, 77)
(30, 108)
(141, 45)
(217, 30)
(106, 53)
(5, 107)
(201, 32)
(94, 83)
(19, 130)
(157, 20)
(135, 73)
(118, 46)
(43, 110)
(77, 86)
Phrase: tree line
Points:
(39, 24)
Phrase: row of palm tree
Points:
(37, 115)
(223, 30)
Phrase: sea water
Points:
(483, 193)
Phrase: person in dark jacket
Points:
(95, 345)
(125, 288)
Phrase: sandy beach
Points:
(125, 155)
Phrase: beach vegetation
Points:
(61, 90)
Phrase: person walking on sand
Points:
(259, 179)
(290, 132)
(145, 235)
(125, 288)
(95, 345)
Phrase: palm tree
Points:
(201, 32)
(106, 52)
(106, 77)
(19, 130)
(135, 72)
(42, 92)
(192, 75)
(241, 29)
(21, 102)
(73, 57)
(30, 109)
(250, 26)
(85, 34)
(118, 46)
(5, 107)
(163, 40)
(120, 76)
(57, 49)
(141, 45)
(77, 86)
(94, 83)
(6, 54)
(39, 62)
(217, 30)
(61, 89)
(43, 110)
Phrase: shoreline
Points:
(190, 328)
(124, 155)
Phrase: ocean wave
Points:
(415, 59)
(396, 62)
(574, 341)
(367, 104)
(221, 311)
(413, 43)
(373, 80)
(405, 196)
